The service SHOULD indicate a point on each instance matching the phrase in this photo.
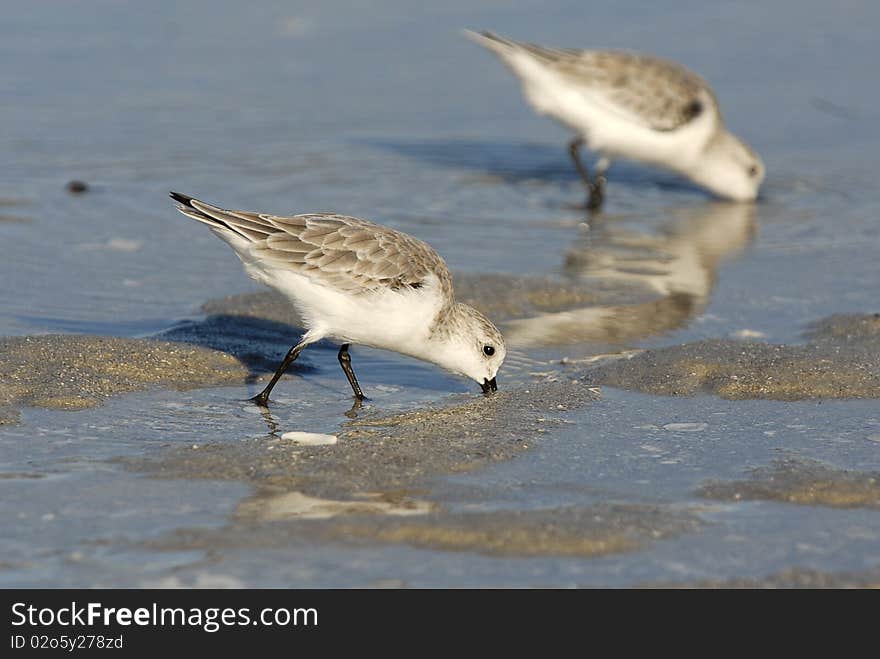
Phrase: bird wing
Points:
(651, 91)
(341, 252)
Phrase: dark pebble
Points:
(77, 187)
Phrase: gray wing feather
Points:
(658, 93)
(661, 94)
(343, 252)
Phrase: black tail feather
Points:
(182, 199)
(193, 211)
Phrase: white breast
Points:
(398, 320)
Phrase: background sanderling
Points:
(639, 107)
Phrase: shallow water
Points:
(387, 112)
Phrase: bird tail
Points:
(507, 49)
(494, 42)
(187, 206)
(227, 224)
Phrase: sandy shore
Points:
(841, 360)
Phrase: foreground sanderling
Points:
(633, 106)
(354, 281)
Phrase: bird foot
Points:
(261, 400)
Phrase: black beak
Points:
(489, 386)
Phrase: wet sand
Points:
(380, 454)
(795, 578)
(67, 372)
(583, 532)
(842, 360)
(802, 482)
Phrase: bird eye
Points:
(488, 350)
(753, 171)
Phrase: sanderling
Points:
(627, 105)
(354, 281)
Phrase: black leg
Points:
(597, 192)
(262, 398)
(595, 187)
(345, 362)
(573, 147)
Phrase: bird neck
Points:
(451, 317)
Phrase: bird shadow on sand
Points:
(258, 343)
(518, 162)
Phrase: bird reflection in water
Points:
(653, 283)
